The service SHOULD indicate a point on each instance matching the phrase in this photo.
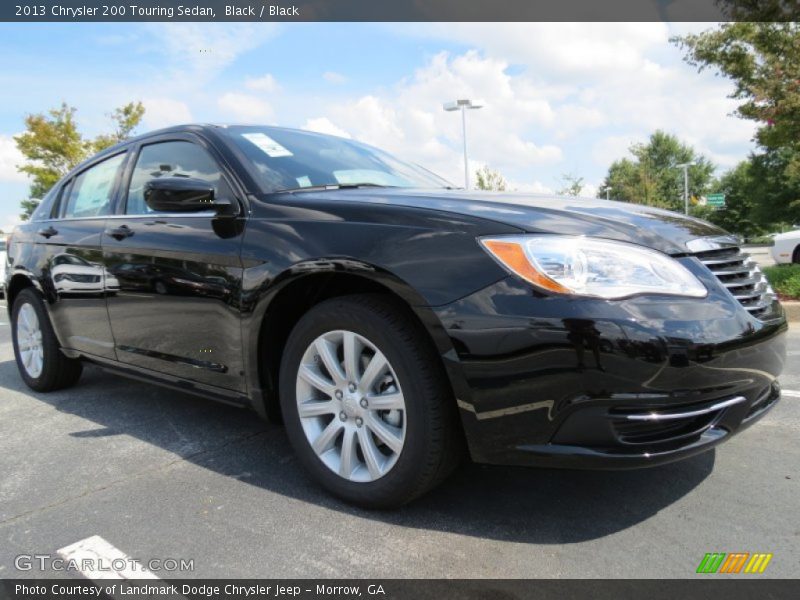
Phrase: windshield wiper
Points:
(335, 186)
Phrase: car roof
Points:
(184, 128)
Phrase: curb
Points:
(792, 309)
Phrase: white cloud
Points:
(265, 83)
(10, 157)
(599, 85)
(334, 77)
(534, 187)
(408, 118)
(614, 147)
(244, 107)
(559, 50)
(11, 221)
(164, 112)
(589, 190)
(196, 52)
(323, 125)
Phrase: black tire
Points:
(58, 371)
(433, 444)
(796, 255)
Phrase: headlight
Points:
(592, 267)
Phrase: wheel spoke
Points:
(370, 452)
(316, 380)
(314, 408)
(328, 356)
(352, 351)
(375, 368)
(349, 457)
(388, 401)
(388, 434)
(326, 439)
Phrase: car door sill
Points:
(210, 392)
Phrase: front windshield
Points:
(286, 159)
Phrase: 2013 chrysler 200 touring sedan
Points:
(388, 319)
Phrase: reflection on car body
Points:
(75, 276)
(167, 279)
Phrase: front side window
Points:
(172, 159)
(90, 192)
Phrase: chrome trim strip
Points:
(746, 268)
(733, 258)
(706, 244)
(209, 214)
(742, 282)
(750, 296)
(689, 414)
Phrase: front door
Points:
(179, 275)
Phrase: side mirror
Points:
(183, 194)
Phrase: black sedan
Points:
(390, 320)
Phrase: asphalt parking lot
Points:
(162, 475)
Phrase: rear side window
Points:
(172, 159)
(45, 208)
(91, 191)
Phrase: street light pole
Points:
(685, 167)
(463, 105)
(464, 138)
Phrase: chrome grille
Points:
(741, 276)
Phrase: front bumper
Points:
(581, 383)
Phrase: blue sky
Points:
(560, 98)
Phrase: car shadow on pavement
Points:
(540, 506)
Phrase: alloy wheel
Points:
(351, 406)
(29, 340)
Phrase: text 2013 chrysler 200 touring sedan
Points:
(387, 318)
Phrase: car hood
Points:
(652, 227)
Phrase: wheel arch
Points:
(18, 282)
(294, 293)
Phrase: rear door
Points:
(178, 275)
(70, 257)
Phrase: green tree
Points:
(741, 198)
(652, 175)
(572, 185)
(52, 145)
(126, 119)
(762, 59)
(489, 179)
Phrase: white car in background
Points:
(787, 247)
(74, 275)
(3, 255)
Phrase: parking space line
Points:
(96, 558)
(790, 393)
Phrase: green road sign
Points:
(715, 200)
